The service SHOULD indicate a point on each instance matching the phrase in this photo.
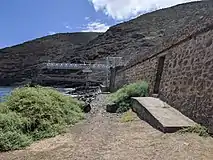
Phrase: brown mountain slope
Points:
(139, 36)
(131, 40)
(16, 63)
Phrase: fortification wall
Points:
(142, 71)
(187, 76)
(187, 79)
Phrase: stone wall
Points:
(143, 71)
(187, 77)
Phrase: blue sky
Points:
(23, 20)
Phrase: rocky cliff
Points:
(130, 40)
(139, 36)
(17, 63)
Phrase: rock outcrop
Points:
(139, 36)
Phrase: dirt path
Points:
(102, 136)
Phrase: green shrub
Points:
(11, 140)
(32, 113)
(11, 121)
(122, 97)
(3, 108)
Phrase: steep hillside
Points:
(139, 36)
(130, 40)
(17, 62)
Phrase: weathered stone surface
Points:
(160, 115)
(194, 93)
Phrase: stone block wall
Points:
(187, 77)
(143, 71)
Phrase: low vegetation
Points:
(33, 113)
(122, 98)
(127, 117)
(197, 129)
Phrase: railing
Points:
(73, 66)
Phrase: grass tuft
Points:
(127, 117)
(198, 129)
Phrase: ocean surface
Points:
(4, 91)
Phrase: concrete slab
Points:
(159, 114)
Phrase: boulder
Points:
(111, 108)
(87, 108)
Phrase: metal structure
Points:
(98, 72)
(72, 66)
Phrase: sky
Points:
(23, 20)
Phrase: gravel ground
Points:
(102, 136)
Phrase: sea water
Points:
(4, 91)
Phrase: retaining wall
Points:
(187, 76)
